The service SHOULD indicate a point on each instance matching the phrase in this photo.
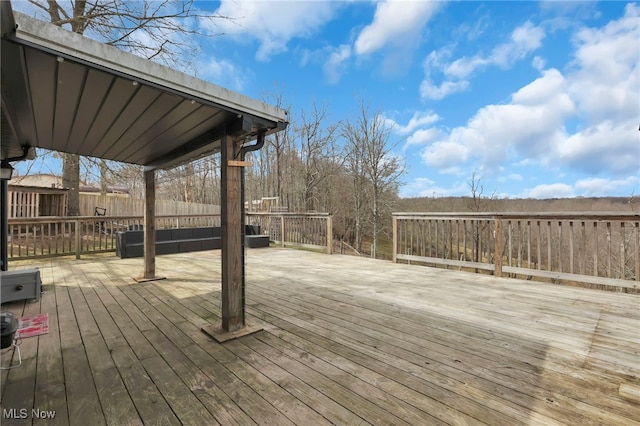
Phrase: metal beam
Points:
(238, 127)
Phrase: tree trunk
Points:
(358, 225)
(104, 184)
(188, 186)
(374, 244)
(71, 180)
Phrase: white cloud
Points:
(554, 190)
(223, 73)
(428, 90)
(512, 177)
(524, 40)
(606, 147)
(423, 136)
(464, 67)
(425, 187)
(335, 64)
(598, 187)
(538, 63)
(532, 127)
(597, 98)
(528, 126)
(417, 128)
(589, 187)
(605, 85)
(541, 90)
(395, 22)
(472, 31)
(446, 155)
(273, 24)
(434, 62)
(418, 119)
(606, 82)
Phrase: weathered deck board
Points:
(402, 350)
(346, 341)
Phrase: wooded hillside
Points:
(465, 204)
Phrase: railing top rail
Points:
(43, 219)
(623, 216)
(48, 219)
(290, 214)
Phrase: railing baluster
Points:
(608, 249)
(519, 244)
(529, 244)
(594, 257)
(637, 252)
(560, 246)
(457, 239)
(571, 247)
(539, 243)
(464, 239)
(623, 254)
(549, 258)
(583, 248)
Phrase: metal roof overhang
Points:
(65, 92)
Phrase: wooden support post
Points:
(149, 224)
(394, 225)
(282, 231)
(233, 317)
(329, 234)
(233, 324)
(78, 226)
(498, 247)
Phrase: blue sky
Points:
(538, 99)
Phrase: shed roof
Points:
(65, 92)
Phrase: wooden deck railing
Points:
(593, 248)
(311, 230)
(64, 236)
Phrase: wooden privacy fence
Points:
(593, 248)
(63, 235)
(27, 202)
(116, 205)
(311, 230)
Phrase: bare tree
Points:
(129, 176)
(477, 203)
(158, 30)
(281, 143)
(318, 152)
(373, 164)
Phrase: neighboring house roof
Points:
(36, 189)
(45, 180)
(110, 189)
(42, 180)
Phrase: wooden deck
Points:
(346, 341)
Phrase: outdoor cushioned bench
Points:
(253, 238)
(131, 243)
